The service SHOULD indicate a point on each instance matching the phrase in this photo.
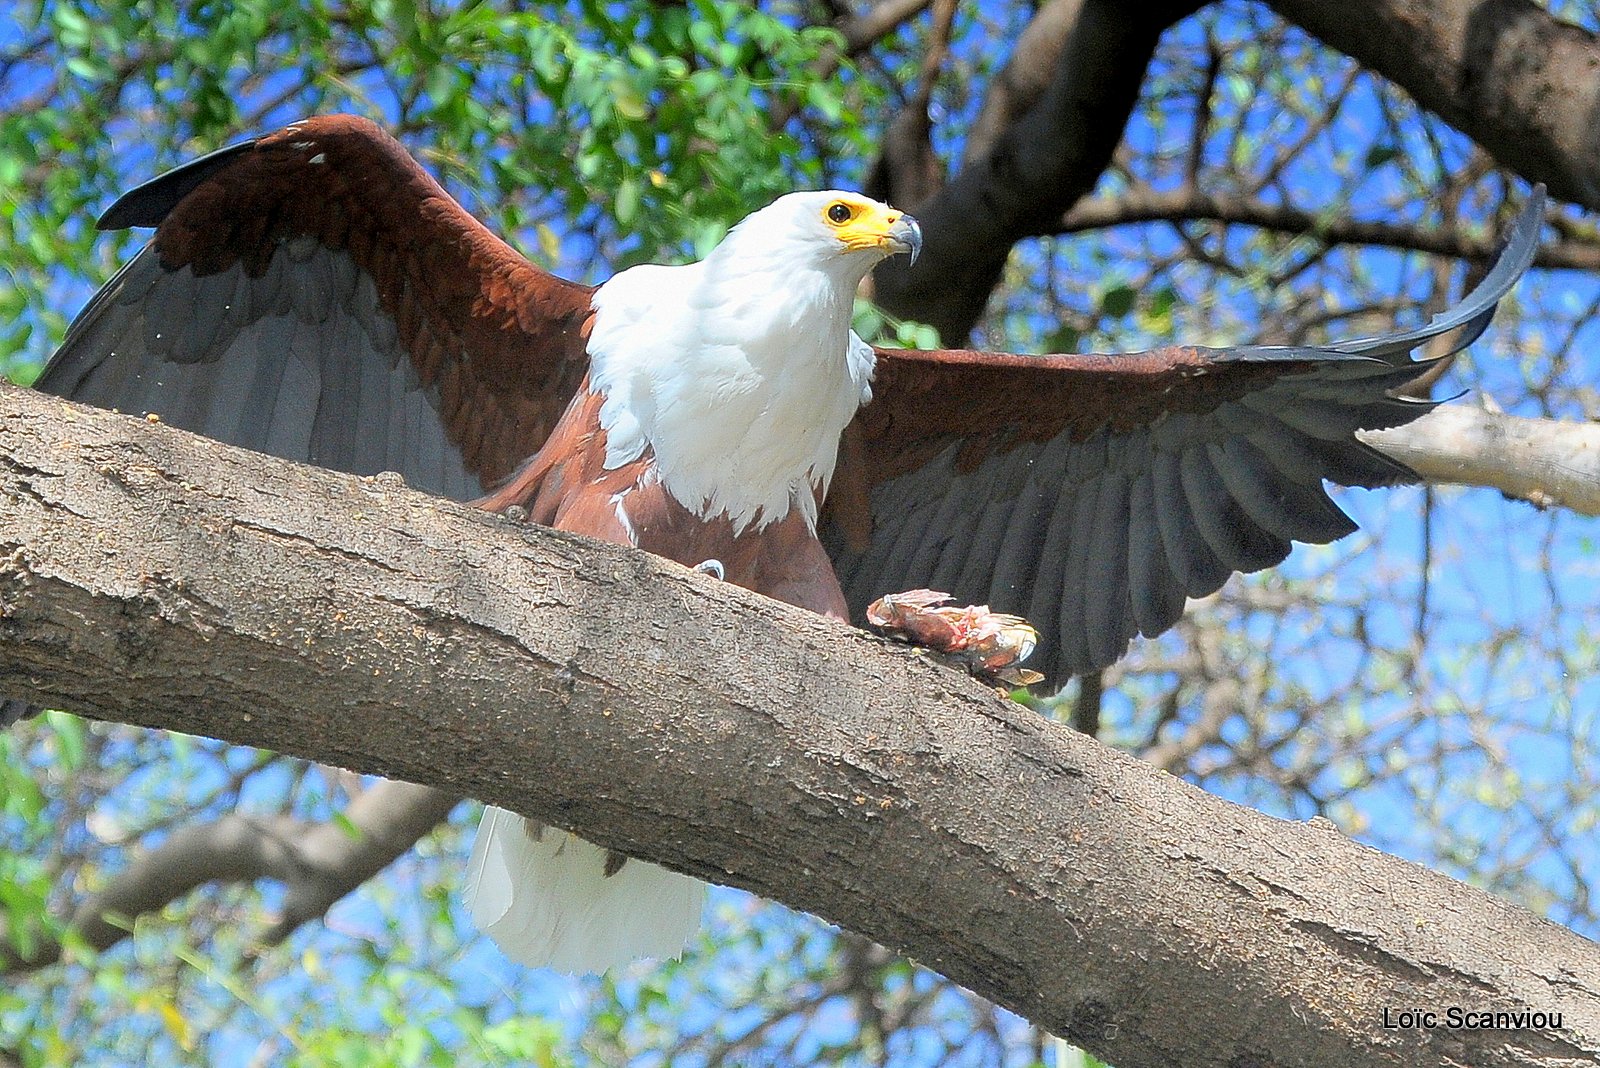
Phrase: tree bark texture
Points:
(153, 577)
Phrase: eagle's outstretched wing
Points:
(315, 294)
(1093, 494)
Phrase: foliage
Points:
(596, 135)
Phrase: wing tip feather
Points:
(148, 204)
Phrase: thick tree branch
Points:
(1033, 169)
(1547, 463)
(326, 862)
(1033, 64)
(1508, 74)
(152, 577)
(878, 21)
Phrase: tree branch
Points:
(877, 22)
(1541, 461)
(1034, 168)
(1508, 74)
(318, 863)
(156, 578)
(1142, 204)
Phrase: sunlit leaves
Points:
(665, 114)
(527, 1040)
(877, 327)
(634, 132)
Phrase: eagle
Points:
(315, 294)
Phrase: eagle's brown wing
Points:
(316, 295)
(1093, 494)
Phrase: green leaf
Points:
(1117, 301)
(69, 733)
(625, 206)
(1064, 338)
(825, 99)
(348, 827)
(1378, 155)
(630, 102)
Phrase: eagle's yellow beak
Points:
(882, 228)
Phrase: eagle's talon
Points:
(988, 644)
(713, 568)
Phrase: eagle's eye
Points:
(840, 213)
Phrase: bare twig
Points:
(1142, 204)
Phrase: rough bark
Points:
(156, 578)
(1518, 81)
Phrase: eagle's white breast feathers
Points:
(739, 372)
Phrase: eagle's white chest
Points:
(739, 383)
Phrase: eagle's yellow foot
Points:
(988, 644)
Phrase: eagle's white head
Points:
(841, 234)
(740, 372)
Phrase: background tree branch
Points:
(1142, 204)
(1520, 82)
(317, 863)
(157, 578)
(1030, 172)
(1546, 462)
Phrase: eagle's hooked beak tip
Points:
(909, 233)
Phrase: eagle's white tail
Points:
(547, 901)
